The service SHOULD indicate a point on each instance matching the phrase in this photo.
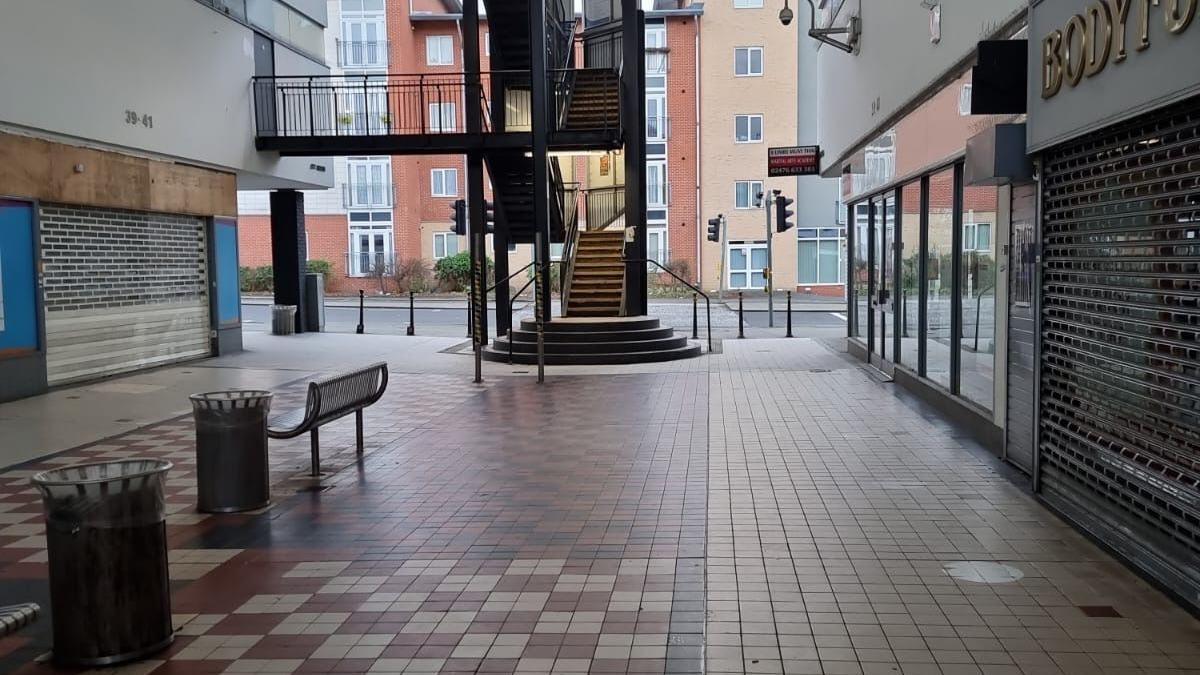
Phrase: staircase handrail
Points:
(618, 208)
(685, 282)
(570, 247)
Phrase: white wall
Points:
(895, 62)
(816, 198)
(74, 68)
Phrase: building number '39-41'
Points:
(132, 117)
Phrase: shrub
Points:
(322, 267)
(454, 272)
(256, 279)
(412, 275)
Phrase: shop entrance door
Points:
(883, 236)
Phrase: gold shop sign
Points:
(1089, 41)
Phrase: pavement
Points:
(768, 508)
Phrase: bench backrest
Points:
(333, 397)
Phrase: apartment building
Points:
(123, 152)
(386, 210)
(758, 90)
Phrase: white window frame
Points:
(747, 4)
(971, 234)
(661, 254)
(438, 176)
(749, 61)
(657, 197)
(751, 192)
(750, 117)
(748, 248)
(487, 43)
(656, 51)
(444, 239)
(361, 175)
(964, 100)
(439, 50)
(355, 266)
(378, 46)
(819, 238)
(660, 126)
(443, 118)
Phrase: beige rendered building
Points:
(753, 84)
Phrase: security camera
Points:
(785, 15)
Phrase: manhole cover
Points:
(983, 572)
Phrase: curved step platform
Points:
(589, 341)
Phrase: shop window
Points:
(939, 265)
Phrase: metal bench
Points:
(15, 617)
(330, 399)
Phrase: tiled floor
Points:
(766, 509)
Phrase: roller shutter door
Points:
(1120, 401)
(124, 290)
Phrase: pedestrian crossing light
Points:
(459, 216)
(714, 228)
(783, 216)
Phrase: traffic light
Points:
(714, 228)
(459, 217)
(782, 214)
(489, 217)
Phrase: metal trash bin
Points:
(106, 540)
(231, 450)
(283, 319)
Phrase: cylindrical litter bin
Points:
(231, 450)
(283, 319)
(106, 539)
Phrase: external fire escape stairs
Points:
(422, 114)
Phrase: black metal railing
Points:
(603, 49)
(362, 53)
(685, 282)
(357, 195)
(393, 105)
(603, 206)
(658, 128)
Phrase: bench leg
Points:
(358, 424)
(315, 440)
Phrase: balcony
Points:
(361, 54)
(426, 113)
(658, 128)
(362, 196)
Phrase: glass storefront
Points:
(923, 264)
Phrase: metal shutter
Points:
(124, 290)
(1120, 364)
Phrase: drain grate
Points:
(314, 489)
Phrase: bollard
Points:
(789, 298)
(741, 323)
(412, 328)
(695, 318)
(361, 329)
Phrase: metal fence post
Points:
(695, 317)
(412, 328)
(741, 323)
(789, 312)
(361, 329)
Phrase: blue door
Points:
(18, 281)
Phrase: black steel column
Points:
(288, 250)
(500, 257)
(476, 214)
(923, 281)
(851, 255)
(956, 237)
(633, 121)
(540, 104)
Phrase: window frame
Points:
(749, 194)
(747, 4)
(430, 41)
(749, 61)
(443, 118)
(444, 238)
(749, 128)
(433, 181)
(818, 239)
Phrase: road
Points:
(452, 322)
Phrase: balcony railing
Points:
(604, 206)
(658, 129)
(365, 264)
(357, 195)
(603, 50)
(388, 105)
(362, 53)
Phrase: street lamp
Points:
(852, 31)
